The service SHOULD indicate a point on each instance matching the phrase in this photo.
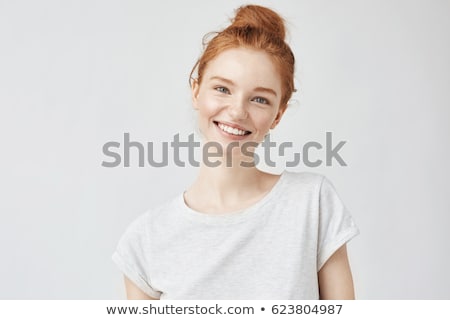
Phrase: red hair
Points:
(258, 28)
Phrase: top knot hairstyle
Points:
(257, 28)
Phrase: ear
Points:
(278, 117)
(195, 87)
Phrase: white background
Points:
(77, 74)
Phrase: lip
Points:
(229, 135)
(232, 125)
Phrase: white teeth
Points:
(234, 131)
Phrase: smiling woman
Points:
(240, 95)
(238, 232)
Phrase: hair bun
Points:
(258, 28)
(261, 18)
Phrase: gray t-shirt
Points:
(271, 250)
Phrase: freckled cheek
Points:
(209, 106)
(206, 112)
(262, 121)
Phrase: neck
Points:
(227, 186)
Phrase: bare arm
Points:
(335, 277)
(134, 293)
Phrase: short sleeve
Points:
(336, 225)
(131, 255)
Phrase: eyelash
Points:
(257, 99)
(265, 100)
(219, 89)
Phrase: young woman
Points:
(238, 232)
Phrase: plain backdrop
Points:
(75, 75)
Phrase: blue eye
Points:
(261, 100)
(222, 89)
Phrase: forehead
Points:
(246, 67)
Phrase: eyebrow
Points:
(261, 89)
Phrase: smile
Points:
(231, 130)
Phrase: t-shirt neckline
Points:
(231, 217)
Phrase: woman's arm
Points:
(335, 277)
(134, 293)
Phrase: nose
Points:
(237, 109)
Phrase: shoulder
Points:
(150, 216)
(305, 180)
(310, 185)
(304, 176)
(308, 178)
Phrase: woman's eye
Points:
(261, 100)
(222, 89)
